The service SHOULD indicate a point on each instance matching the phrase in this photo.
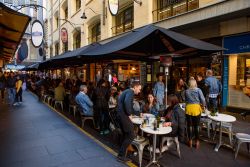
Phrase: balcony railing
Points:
(175, 9)
(122, 27)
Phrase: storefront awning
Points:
(12, 27)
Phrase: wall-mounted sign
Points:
(64, 35)
(113, 7)
(22, 51)
(37, 34)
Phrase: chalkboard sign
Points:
(143, 73)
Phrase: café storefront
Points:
(236, 71)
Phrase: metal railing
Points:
(122, 27)
(175, 9)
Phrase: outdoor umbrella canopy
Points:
(12, 27)
(68, 58)
(142, 44)
(149, 41)
(32, 67)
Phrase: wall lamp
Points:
(84, 14)
(138, 2)
(72, 24)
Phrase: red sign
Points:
(166, 61)
(64, 35)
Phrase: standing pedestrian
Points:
(194, 100)
(100, 98)
(215, 89)
(19, 91)
(159, 90)
(2, 84)
(125, 111)
(11, 84)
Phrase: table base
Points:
(153, 162)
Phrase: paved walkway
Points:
(32, 135)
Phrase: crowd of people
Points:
(126, 100)
(14, 84)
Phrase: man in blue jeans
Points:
(215, 88)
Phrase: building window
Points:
(168, 8)
(65, 47)
(56, 49)
(95, 33)
(76, 40)
(51, 51)
(57, 22)
(78, 4)
(124, 21)
(66, 13)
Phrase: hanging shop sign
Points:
(37, 34)
(22, 51)
(113, 6)
(64, 35)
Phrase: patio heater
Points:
(166, 61)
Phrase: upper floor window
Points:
(124, 21)
(56, 22)
(78, 4)
(65, 47)
(66, 12)
(168, 8)
(56, 49)
(77, 39)
(95, 33)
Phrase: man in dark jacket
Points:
(11, 84)
(125, 109)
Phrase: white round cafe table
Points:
(159, 131)
(221, 118)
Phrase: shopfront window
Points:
(239, 81)
(124, 21)
(168, 8)
(128, 71)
